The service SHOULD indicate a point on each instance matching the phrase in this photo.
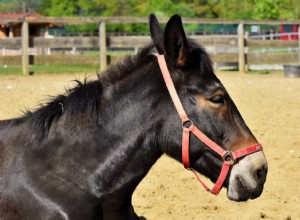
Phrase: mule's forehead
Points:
(215, 85)
(213, 88)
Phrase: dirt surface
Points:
(270, 104)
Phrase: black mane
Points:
(127, 66)
(84, 100)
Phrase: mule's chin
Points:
(247, 178)
(239, 192)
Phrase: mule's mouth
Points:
(242, 193)
(245, 193)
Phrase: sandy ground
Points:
(270, 104)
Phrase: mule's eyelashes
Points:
(217, 99)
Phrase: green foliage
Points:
(271, 9)
(61, 8)
(235, 9)
(227, 9)
(222, 9)
(26, 6)
(205, 8)
(164, 8)
(7, 8)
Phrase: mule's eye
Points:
(217, 99)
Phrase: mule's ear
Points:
(176, 47)
(157, 33)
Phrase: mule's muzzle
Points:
(247, 178)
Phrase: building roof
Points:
(17, 15)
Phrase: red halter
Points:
(228, 157)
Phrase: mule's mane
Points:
(127, 66)
(84, 100)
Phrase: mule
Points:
(82, 154)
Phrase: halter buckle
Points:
(228, 157)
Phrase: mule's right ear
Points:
(157, 33)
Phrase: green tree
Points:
(26, 6)
(271, 9)
(225, 9)
(107, 8)
(163, 8)
(8, 7)
(291, 11)
(61, 8)
(205, 8)
(235, 9)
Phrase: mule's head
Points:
(209, 106)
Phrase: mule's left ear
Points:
(176, 47)
(157, 33)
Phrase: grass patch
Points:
(55, 68)
(10, 69)
(50, 69)
(62, 68)
(110, 53)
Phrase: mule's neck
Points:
(132, 121)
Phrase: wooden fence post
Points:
(299, 43)
(241, 44)
(25, 48)
(102, 46)
(246, 51)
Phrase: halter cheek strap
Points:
(188, 126)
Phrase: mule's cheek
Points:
(247, 177)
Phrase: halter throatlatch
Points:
(188, 127)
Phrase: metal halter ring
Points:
(229, 157)
(187, 124)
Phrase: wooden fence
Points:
(239, 49)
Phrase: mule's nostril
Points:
(261, 174)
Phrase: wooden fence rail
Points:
(222, 48)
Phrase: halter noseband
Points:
(188, 126)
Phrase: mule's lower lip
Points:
(238, 193)
(244, 195)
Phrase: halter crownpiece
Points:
(188, 127)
